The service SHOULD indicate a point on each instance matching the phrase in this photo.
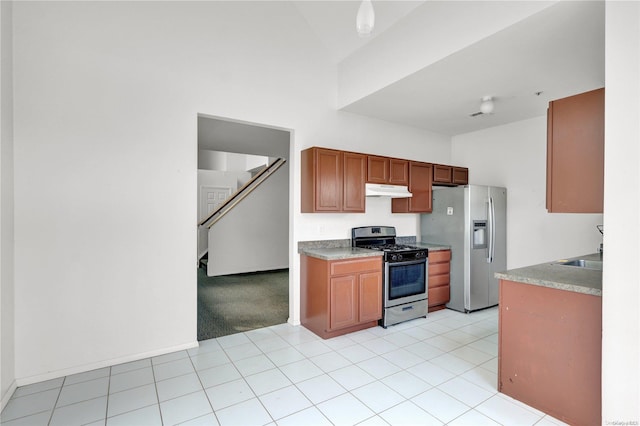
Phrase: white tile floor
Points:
(436, 370)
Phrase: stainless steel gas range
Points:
(405, 273)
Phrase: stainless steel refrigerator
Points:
(472, 220)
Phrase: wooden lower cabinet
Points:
(549, 351)
(439, 278)
(340, 296)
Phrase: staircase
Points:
(236, 198)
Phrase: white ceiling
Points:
(558, 51)
(334, 22)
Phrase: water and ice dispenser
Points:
(479, 236)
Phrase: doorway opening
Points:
(243, 258)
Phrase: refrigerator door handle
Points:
(492, 231)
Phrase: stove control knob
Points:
(399, 257)
(394, 257)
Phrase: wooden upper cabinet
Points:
(398, 172)
(377, 169)
(332, 181)
(387, 170)
(460, 175)
(442, 174)
(354, 175)
(321, 180)
(450, 175)
(420, 180)
(575, 154)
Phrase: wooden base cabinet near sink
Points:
(549, 351)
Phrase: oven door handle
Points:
(408, 262)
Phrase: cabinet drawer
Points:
(439, 256)
(340, 267)
(438, 280)
(438, 268)
(438, 296)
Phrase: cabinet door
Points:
(328, 180)
(420, 180)
(460, 175)
(370, 296)
(439, 278)
(343, 307)
(442, 174)
(438, 296)
(575, 154)
(398, 172)
(377, 169)
(355, 174)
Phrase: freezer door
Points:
(478, 232)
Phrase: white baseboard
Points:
(23, 381)
(293, 322)
(8, 394)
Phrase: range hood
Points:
(392, 191)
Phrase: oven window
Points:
(407, 280)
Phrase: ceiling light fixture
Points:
(486, 106)
(365, 19)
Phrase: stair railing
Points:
(241, 194)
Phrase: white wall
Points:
(255, 161)
(99, 86)
(216, 178)
(216, 160)
(212, 160)
(621, 275)
(7, 308)
(254, 236)
(533, 235)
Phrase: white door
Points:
(211, 197)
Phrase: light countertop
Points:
(569, 278)
(338, 253)
(341, 249)
(432, 246)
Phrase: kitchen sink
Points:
(581, 263)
